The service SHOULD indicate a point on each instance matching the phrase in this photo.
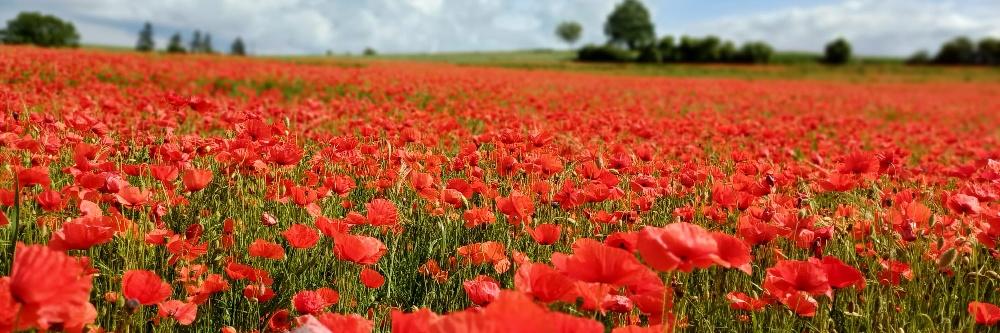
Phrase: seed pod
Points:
(947, 259)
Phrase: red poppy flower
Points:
(893, 272)
(184, 313)
(132, 197)
(50, 200)
(309, 302)
(362, 250)
(196, 179)
(678, 246)
(795, 282)
(419, 321)
(517, 207)
(301, 236)
(545, 234)
(51, 288)
(485, 252)
(164, 173)
(984, 313)
(144, 287)
(592, 261)
(381, 212)
(478, 216)
(371, 278)
(351, 323)
(542, 282)
(258, 292)
(279, 321)
(742, 301)
(268, 250)
(81, 234)
(733, 252)
(481, 290)
(38, 175)
(842, 275)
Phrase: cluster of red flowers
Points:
(250, 195)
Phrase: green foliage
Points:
(989, 51)
(196, 42)
(960, 50)
(206, 44)
(630, 25)
(569, 32)
(603, 53)
(40, 29)
(755, 53)
(650, 54)
(369, 52)
(176, 45)
(238, 48)
(919, 58)
(668, 50)
(146, 43)
(837, 52)
(963, 51)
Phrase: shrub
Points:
(603, 53)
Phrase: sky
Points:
(875, 27)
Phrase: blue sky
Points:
(876, 27)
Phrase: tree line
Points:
(50, 31)
(200, 43)
(631, 37)
(629, 29)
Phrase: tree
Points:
(195, 46)
(569, 32)
(206, 44)
(960, 50)
(755, 53)
(176, 45)
(668, 51)
(838, 52)
(238, 48)
(920, 58)
(989, 51)
(630, 24)
(369, 52)
(145, 43)
(40, 29)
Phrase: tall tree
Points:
(238, 48)
(146, 43)
(569, 32)
(176, 45)
(40, 29)
(206, 43)
(195, 45)
(960, 50)
(837, 52)
(630, 24)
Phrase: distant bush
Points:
(603, 53)
(755, 53)
(40, 29)
(963, 51)
(369, 52)
(837, 52)
(649, 54)
(920, 58)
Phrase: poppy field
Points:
(215, 194)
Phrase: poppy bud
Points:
(131, 305)
(110, 297)
(947, 259)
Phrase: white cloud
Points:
(314, 26)
(884, 27)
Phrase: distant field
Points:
(785, 65)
